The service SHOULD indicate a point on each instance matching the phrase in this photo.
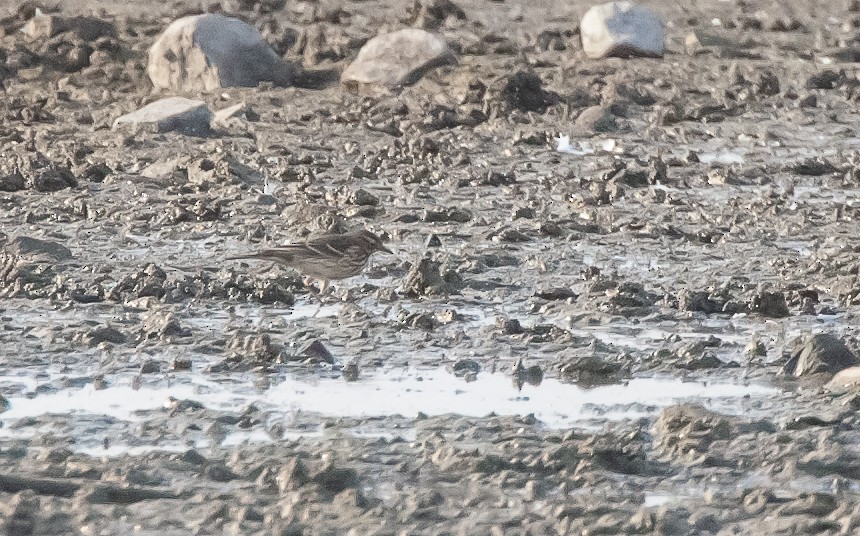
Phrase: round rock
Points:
(397, 59)
(211, 51)
(845, 380)
(621, 29)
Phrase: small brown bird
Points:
(327, 257)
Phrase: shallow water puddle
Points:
(405, 392)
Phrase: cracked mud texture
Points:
(704, 230)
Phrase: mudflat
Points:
(619, 294)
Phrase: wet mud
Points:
(598, 317)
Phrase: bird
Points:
(327, 257)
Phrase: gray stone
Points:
(597, 119)
(621, 29)
(211, 51)
(12, 182)
(396, 59)
(173, 113)
(819, 353)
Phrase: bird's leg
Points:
(308, 282)
(324, 284)
(323, 288)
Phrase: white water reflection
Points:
(405, 392)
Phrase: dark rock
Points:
(193, 457)
(814, 167)
(558, 293)
(53, 179)
(334, 480)
(770, 304)
(220, 473)
(418, 320)
(12, 182)
(427, 279)
(150, 366)
(275, 291)
(105, 334)
(827, 79)
(697, 300)
(511, 326)
(431, 14)
(464, 367)
(433, 241)
(491, 463)
(317, 353)
(451, 214)
(524, 91)
(550, 40)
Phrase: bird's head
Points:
(374, 242)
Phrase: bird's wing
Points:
(332, 246)
(284, 253)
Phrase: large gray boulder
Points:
(621, 29)
(211, 51)
(397, 59)
(819, 353)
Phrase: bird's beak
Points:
(385, 250)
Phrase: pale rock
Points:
(173, 113)
(397, 59)
(845, 379)
(621, 29)
(229, 115)
(697, 40)
(597, 118)
(211, 51)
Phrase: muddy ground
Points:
(704, 219)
